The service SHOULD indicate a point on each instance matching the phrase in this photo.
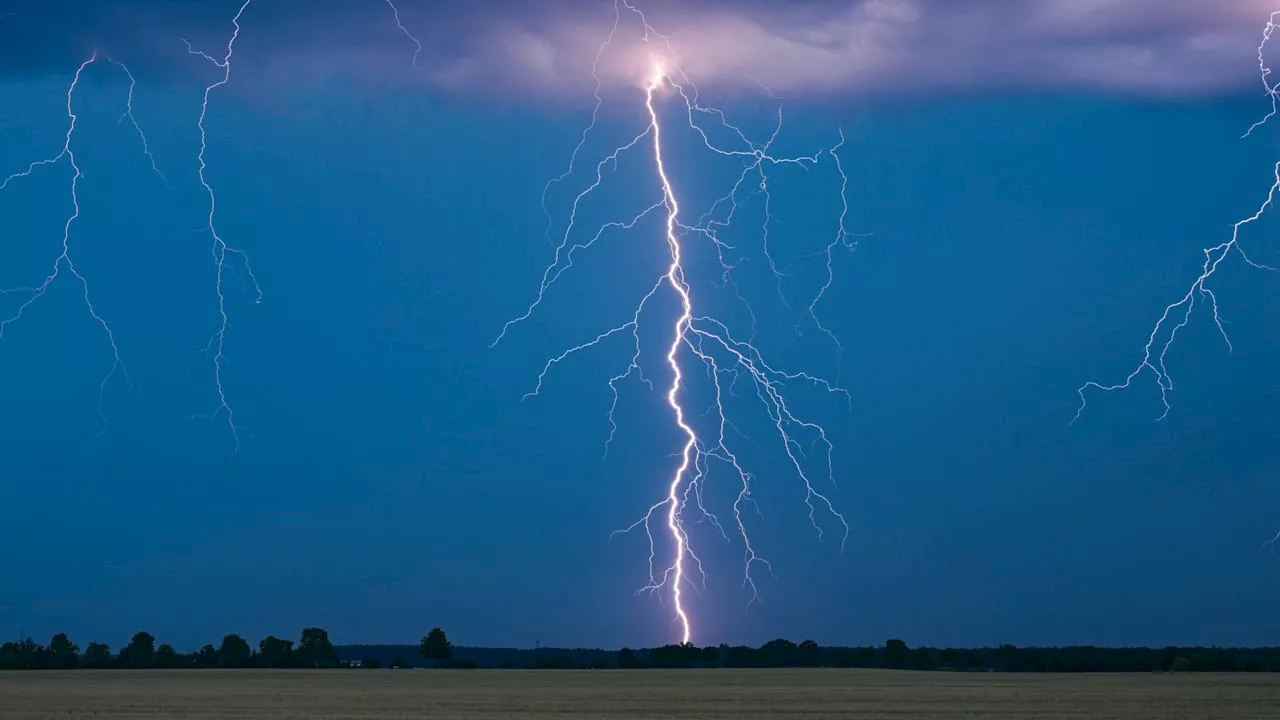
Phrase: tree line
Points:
(893, 654)
(314, 649)
(896, 654)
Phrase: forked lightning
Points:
(697, 340)
(1177, 314)
(220, 248)
(64, 259)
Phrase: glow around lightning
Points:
(698, 341)
(1179, 313)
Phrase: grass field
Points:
(565, 695)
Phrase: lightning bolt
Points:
(417, 44)
(221, 249)
(64, 260)
(1178, 314)
(695, 337)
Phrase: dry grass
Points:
(599, 694)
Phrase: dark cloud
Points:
(544, 48)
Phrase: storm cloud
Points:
(545, 50)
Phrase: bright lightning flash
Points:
(1177, 314)
(699, 338)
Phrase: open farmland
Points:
(702, 694)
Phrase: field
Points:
(599, 694)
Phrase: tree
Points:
(140, 652)
(399, 663)
(26, 654)
(675, 656)
(922, 658)
(207, 657)
(711, 656)
(895, 653)
(275, 653)
(841, 657)
(949, 657)
(167, 657)
(627, 658)
(740, 656)
(97, 655)
(809, 654)
(63, 653)
(778, 653)
(1008, 658)
(9, 656)
(234, 652)
(435, 646)
(316, 650)
(371, 663)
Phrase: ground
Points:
(630, 694)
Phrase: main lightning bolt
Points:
(696, 336)
(64, 259)
(1178, 314)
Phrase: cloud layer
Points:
(1162, 47)
(538, 49)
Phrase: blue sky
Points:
(390, 477)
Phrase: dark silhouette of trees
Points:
(275, 653)
(207, 657)
(435, 646)
(315, 649)
(778, 653)
(234, 652)
(866, 657)
(627, 658)
(711, 656)
(25, 654)
(167, 658)
(97, 655)
(895, 653)
(809, 654)
(63, 654)
(675, 656)
(139, 653)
